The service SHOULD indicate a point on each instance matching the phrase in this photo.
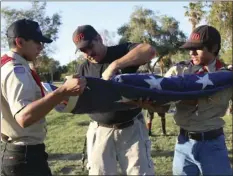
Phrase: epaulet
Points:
(16, 64)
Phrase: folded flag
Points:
(116, 94)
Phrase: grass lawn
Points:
(66, 133)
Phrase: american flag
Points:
(116, 94)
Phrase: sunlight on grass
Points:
(66, 134)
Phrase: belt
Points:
(121, 125)
(25, 148)
(200, 136)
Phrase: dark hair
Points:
(12, 43)
(210, 47)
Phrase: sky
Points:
(101, 15)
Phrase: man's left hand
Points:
(109, 72)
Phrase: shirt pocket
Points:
(219, 100)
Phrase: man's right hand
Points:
(74, 86)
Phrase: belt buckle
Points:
(189, 134)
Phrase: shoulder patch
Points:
(19, 69)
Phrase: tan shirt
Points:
(18, 89)
(204, 114)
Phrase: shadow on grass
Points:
(67, 170)
(78, 156)
(168, 134)
(83, 123)
(67, 156)
(162, 153)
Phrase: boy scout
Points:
(24, 104)
(200, 147)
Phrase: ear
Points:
(19, 42)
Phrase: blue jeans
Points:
(209, 157)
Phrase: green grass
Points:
(66, 134)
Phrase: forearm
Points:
(38, 109)
(140, 55)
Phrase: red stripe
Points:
(38, 81)
(5, 59)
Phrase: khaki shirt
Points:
(18, 89)
(204, 113)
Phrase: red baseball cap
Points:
(83, 35)
(201, 37)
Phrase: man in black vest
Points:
(120, 135)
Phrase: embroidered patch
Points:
(19, 69)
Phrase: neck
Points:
(209, 62)
(17, 51)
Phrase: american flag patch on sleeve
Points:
(19, 69)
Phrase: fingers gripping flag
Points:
(116, 94)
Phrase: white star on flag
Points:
(154, 83)
(205, 81)
(123, 100)
(119, 79)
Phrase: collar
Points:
(17, 57)
(211, 67)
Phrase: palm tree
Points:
(195, 13)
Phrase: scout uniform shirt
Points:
(18, 89)
(204, 114)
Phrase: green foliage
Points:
(226, 56)
(49, 25)
(160, 31)
(47, 67)
(195, 13)
(220, 16)
(66, 134)
(180, 56)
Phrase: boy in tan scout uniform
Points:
(24, 104)
(200, 147)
